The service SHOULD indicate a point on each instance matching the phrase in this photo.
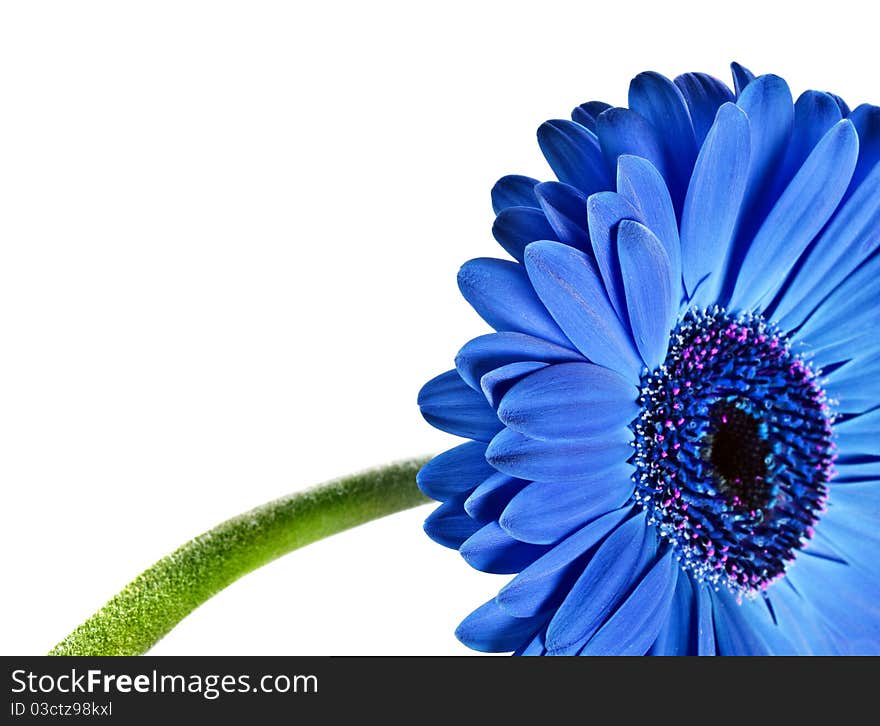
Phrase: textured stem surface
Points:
(160, 597)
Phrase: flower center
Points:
(733, 449)
(738, 453)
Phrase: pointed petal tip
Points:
(573, 153)
(628, 162)
(449, 526)
(538, 249)
(742, 77)
(513, 190)
(648, 76)
(490, 630)
(587, 113)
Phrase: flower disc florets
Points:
(734, 449)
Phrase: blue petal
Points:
(644, 188)
(820, 546)
(454, 472)
(587, 113)
(566, 211)
(837, 594)
(651, 292)
(714, 199)
(544, 583)
(799, 215)
(866, 119)
(496, 383)
(449, 525)
(568, 283)
(514, 190)
(535, 647)
(814, 115)
(622, 131)
(841, 104)
(574, 155)
(635, 625)
(515, 227)
(856, 385)
(837, 330)
(501, 294)
(848, 344)
(859, 469)
(678, 635)
(546, 511)
(661, 102)
(849, 527)
(806, 631)
(861, 434)
(569, 401)
(705, 621)
(490, 630)
(768, 105)
(851, 236)
(733, 633)
(491, 549)
(449, 404)
(742, 77)
(605, 210)
(704, 95)
(606, 580)
(526, 458)
(849, 531)
(490, 498)
(488, 352)
(760, 614)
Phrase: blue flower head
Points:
(674, 432)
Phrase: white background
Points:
(230, 234)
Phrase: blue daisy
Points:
(674, 431)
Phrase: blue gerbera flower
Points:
(675, 429)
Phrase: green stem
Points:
(160, 597)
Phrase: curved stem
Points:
(160, 597)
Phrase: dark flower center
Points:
(738, 453)
(733, 449)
